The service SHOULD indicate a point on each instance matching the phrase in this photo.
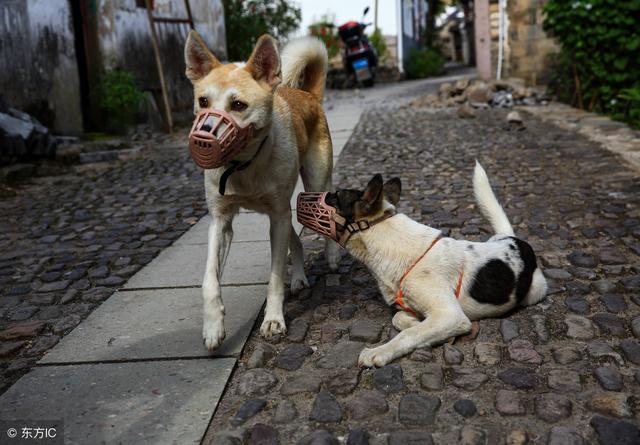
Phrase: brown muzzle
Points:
(216, 138)
(314, 212)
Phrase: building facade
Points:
(53, 51)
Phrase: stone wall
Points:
(39, 71)
(531, 49)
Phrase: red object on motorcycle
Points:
(349, 24)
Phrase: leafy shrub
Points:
(327, 33)
(246, 20)
(377, 40)
(627, 106)
(599, 67)
(120, 98)
(424, 63)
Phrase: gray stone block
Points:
(161, 402)
(155, 324)
(183, 265)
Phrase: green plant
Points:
(326, 32)
(120, 98)
(600, 42)
(246, 20)
(424, 63)
(377, 40)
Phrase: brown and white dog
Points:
(290, 136)
(441, 283)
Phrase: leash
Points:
(400, 293)
(237, 166)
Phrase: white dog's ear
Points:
(199, 60)
(372, 195)
(264, 63)
(392, 189)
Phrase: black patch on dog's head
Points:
(354, 204)
(493, 284)
(344, 201)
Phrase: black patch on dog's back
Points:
(526, 275)
(493, 283)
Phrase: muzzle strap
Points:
(237, 166)
(359, 226)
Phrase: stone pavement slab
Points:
(246, 227)
(159, 402)
(183, 266)
(154, 324)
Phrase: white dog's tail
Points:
(304, 65)
(488, 203)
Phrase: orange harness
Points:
(400, 293)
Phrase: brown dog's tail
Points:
(304, 65)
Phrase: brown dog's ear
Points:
(392, 189)
(372, 195)
(199, 60)
(264, 63)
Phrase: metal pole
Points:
(375, 15)
(156, 51)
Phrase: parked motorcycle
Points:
(360, 57)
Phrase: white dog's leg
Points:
(279, 231)
(220, 235)
(298, 277)
(403, 320)
(440, 325)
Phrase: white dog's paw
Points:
(377, 357)
(298, 283)
(272, 327)
(213, 334)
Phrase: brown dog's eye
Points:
(203, 102)
(236, 105)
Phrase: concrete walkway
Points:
(135, 370)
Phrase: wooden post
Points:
(156, 52)
(483, 38)
(189, 16)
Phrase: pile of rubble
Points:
(480, 94)
(22, 137)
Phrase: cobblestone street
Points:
(68, 241)
(566, 371)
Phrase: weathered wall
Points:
(38, 68)
(38, 64)
(125, 41)
(531, 49)
(528, 51)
